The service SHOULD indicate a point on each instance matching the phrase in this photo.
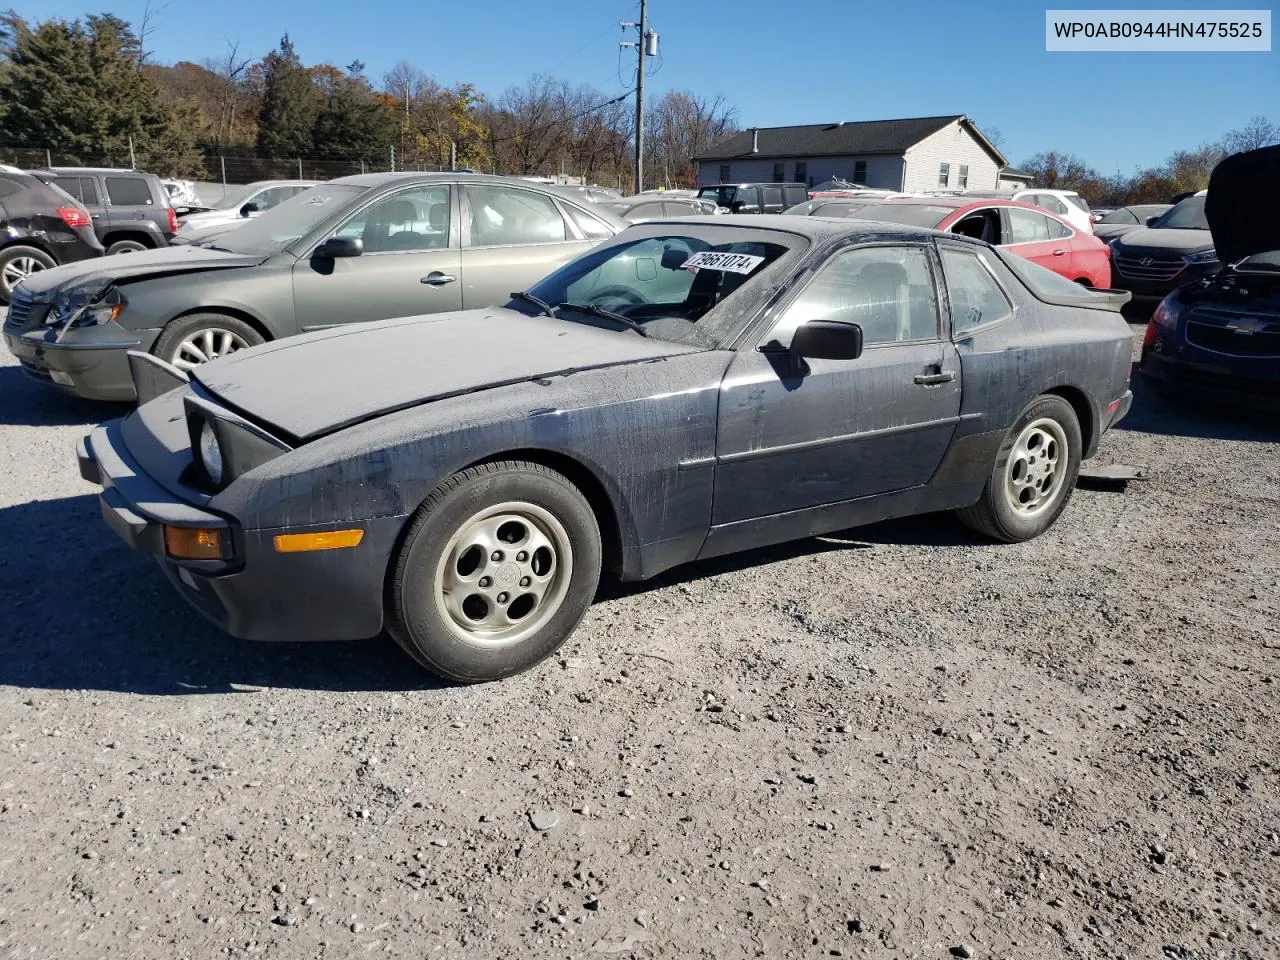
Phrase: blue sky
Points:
(779, 64)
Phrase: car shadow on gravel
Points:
(25, 402)
(1193, 417)
(926, 530)
(83, 612)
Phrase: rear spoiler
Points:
(152, 376)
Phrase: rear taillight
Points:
(173, 220)
(1150, 337)
(73, 216)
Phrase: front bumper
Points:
(1156, 290)
(260, 594)
(96, 367)
(1211, 382)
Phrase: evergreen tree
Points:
(75, 86)
(353, 123)
(290, 105)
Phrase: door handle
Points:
(1058, 253)
(437, 279)
(933, 379)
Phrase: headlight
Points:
(85, 305)
(1204, 256)
(210, 454)
(1114, 245)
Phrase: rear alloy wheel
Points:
(497, 568)
(1033, 476)
(126, 246)
(190, 341)
(18, 263)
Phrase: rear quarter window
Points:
(128, 192)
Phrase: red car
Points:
(1030, 232)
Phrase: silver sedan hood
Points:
(307, 386)
(134, 266)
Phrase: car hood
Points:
(134, 266)
(1174, 241)
(1243, 204)
(314, 384)
(209, 218)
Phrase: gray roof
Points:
(814, 228)
(835, 139)
(1017, 174)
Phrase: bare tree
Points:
(147, 26)
(1258, 132)
(680, 126)
(231, 70)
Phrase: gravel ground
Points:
(900, 741)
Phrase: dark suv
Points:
(40, 227)
(130, 209)
(755, 197)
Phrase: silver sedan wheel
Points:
(205, 345)
(1037, 467)
(18, 269)
(503, 574)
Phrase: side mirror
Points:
(827, 340)
(339, 247)
(1151, 221)
(249, 209)
(737, 206)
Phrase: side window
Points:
(1027, 227)
(976, 298)
(591, 228)
(645, 211)
(128, 192)
(677, 208)
(888, 291)
(1055, 204)
(71, 186)
(9, 187)
(772, 196)
(503, 215)
(411, 220)
(272, 196)
(1057, 229)
(88, 191)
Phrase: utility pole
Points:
(646, 46)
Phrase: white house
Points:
(914, 154)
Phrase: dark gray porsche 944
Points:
(691, 388)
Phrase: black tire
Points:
(995, 514)
(11, 258)
(418, 614)
(170, 345)
(126, 246)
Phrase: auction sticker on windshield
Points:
(728, 262)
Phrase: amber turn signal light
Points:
(329, 540)
(196, 543)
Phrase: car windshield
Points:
(1261, 262)
(1187, 215)
(723, 196)
(672, 284)
(287, 222)
(912, 214)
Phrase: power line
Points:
(560, 120)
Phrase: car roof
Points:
(140, 173)
(962, 203)
(814, 228)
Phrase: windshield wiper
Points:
(593, 310)
(538, 302)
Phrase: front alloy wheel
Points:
(205, 345)
(495, 571)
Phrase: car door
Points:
(411, 263)
(1028, 234)
(830, 431)
(511, 238)
(129, 201)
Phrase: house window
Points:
(802, 172)
(860, 171)
(964, 177)
(779, 172)
(724, 173)
(944, 175)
